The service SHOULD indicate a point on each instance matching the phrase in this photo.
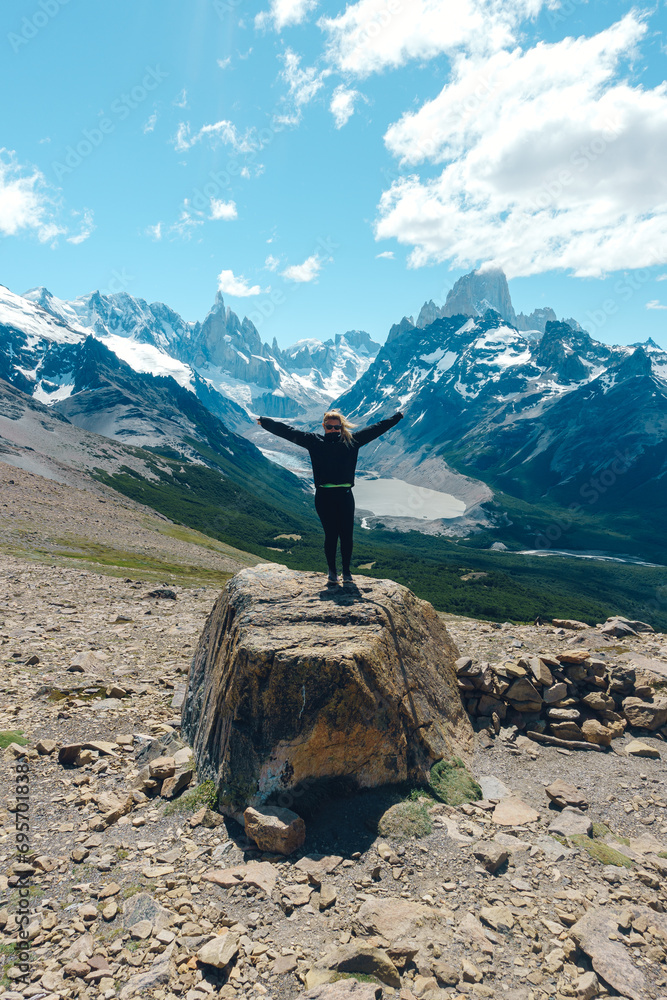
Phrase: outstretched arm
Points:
(373, 431)
(302, 438)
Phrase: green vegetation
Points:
(405, 819)
(603, 853)
(8, 736)
(516, 588)
(451, 782)
(149, 567)
(361, 977)
(192, 800)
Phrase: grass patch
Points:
(451, 782)
(662, 854)
(404, 820)
(133, 890)
(600, 831)
(203, 795)
(8, 736)
(603, 853)
(361, 977)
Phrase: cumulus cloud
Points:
(272, 263)
(374, 35)
(284, 13)
(86, 228)
(307, 271)
(155, 232)
(225, 210)
(182, 100)
(231, 284)
(386, 254)
(26, 202)
(224, 63)
(342, 104)
(655, 304)
(541, 165)
(150, 123)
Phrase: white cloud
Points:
(373, 35)
(655, 304)
(230, 284)
(222, 132)
(150, 124)
(271, 263)
(284, 13)
(225, 210)
(86, 230)
(186, 224)
(342, 104)
(549, 162)
(661, 277)
(303, 85)
(26, 204)
(155, 232)
(224, 63)
(386, 254)
(182, 100)
(307, 271)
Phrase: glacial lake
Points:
(396, 498)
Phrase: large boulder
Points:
(293, 684)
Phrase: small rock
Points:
(587, 986)
(470, 972)
(571, 822)
(283, 965)
(564, 794)
(88, 912)
(219, 951)
(46, 747)
(161, 768)
(595, 732)
(513, 811)
(498, 917)
(275, 829)
(110, 911)
(141, 930)
(491, 855)
(638, 749)
(554, 693)
(328, 896)
(444, 973)
(645, 714)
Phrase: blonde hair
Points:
(345, 425)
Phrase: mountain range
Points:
(529, 420)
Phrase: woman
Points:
(334, 459)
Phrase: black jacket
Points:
(333, 461)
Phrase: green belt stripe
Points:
(335, 486)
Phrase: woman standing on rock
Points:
(334, 459)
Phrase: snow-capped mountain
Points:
(528, 415)
(222, 356)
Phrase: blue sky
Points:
(275, 149)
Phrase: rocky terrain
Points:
(133, 893)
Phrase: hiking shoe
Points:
(332, 580)
(347, 578)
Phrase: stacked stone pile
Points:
(574, 696)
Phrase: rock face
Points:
(292, 685)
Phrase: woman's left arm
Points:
(373, 431)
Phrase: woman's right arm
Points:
(302, 438)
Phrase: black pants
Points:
(335, 509)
